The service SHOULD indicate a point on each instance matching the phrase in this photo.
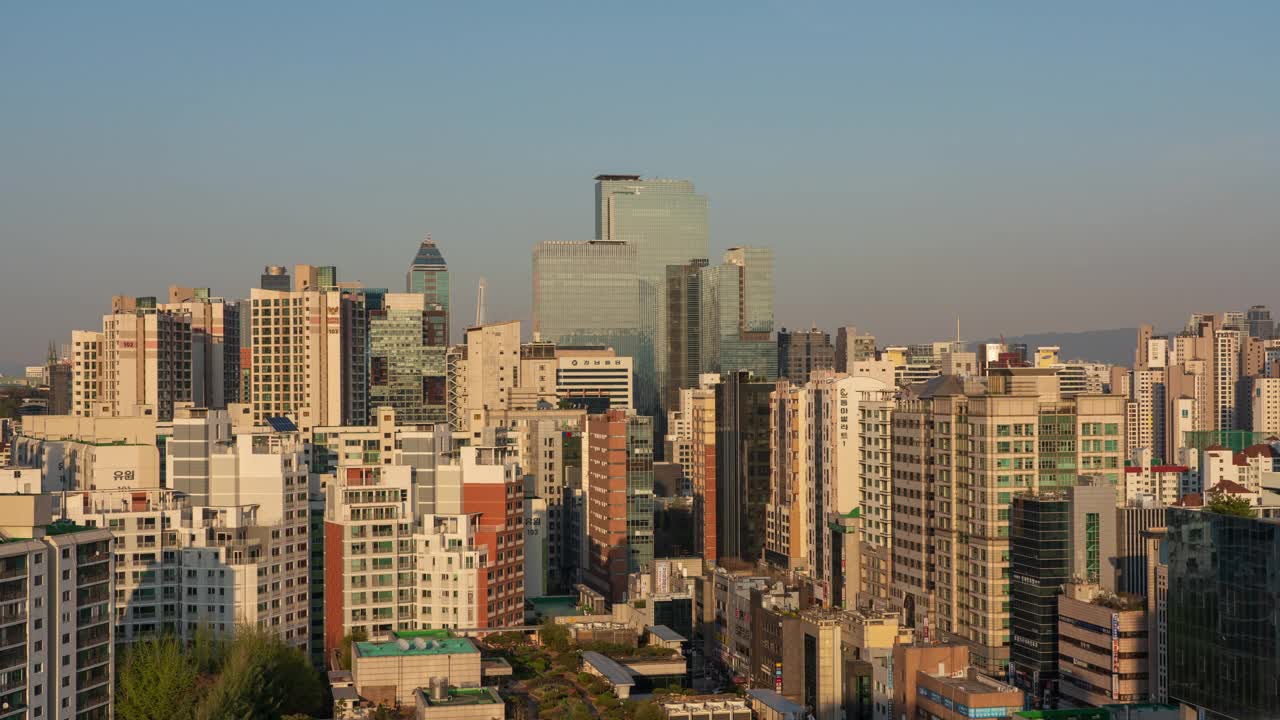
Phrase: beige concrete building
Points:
(1102, 647)
(215, 344)
(141, 363)
(56, 604)
(494, 371)
(308, 359)
(960, 455)
(1266, 405)
(90, 453)
(390, 671)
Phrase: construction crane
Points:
(480, 304)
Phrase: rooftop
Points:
(463, 696)
(417, 642)
(612, 671)
(776, 702)
(666, 634)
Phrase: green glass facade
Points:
(406, 369)
(1039, 564)
(587, 293)
(429, 276)
(666, 222)
(639, 493)
(1223, 624)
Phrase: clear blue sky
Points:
(1029, 166)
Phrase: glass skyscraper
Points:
(1223, 624)
(587, 293)
(666, 221)
(429, 276)
(406, 368)
(741, 297)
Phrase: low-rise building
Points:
(1102, 646)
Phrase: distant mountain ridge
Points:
(1114, 347)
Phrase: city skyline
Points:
(951, 170)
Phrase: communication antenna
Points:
(480, 304)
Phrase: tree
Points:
(344, 657)
(262, 677)
(554, 635)
(649, 710)
(157, 681)
(1224, 503)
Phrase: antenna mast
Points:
(480, 304)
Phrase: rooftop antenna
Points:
(480, 304)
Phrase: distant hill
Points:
(1107, 346)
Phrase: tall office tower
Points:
(1261, 325)
(407, 364)
(1053, 538)
(1226, 373)
(586, 293)
(666, 222)
(960, 455)
(1224, 588)
(719, 319)
(852, 347)
(215, 344)
(742, 465)
(494, 373)
(741, 300)
(275, 277)
(429, 276)
(688, 307)
(143, 363)
(619, 488)
(309, 356)
(802, 352)
(58, 603)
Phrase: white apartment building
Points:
(56, 603)
(1266, 405)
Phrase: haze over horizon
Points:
(1029, 168)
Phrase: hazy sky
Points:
(1027, 165)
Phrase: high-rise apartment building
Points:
(1265, 405)
(429, 276)
(960, 455)
(215, 344)
(141, 362)
(802, 352)
(618, 479)
(309, 360)
(407, 358)
(56, 606)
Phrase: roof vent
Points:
(420, 643)
(402, 644)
